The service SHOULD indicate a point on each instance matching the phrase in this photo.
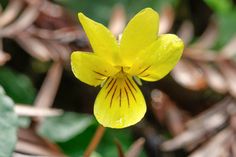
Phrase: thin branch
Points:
(49, 88)
(136, 148)
(95, 141)
(11, 12)
(23, 110)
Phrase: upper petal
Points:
(120, 103)
(90, 68)
(140, 32)
(103, 42)
(158, 59)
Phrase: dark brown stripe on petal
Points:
(113, 96)
(146, 75)
(145, 69)
(99, 79)
(120, 97)
(127, 96)
(130, 91)
(132, 85)
(100, 73)
(110, 88)
(109, 83)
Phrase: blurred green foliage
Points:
(227, 24)
(225, 13)
(101, 10)
(73, 133)
(20, 88)
(8, 125)
(17, 86)
(220, 6)
(66, 126)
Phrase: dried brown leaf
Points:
(208, 38)
(25, 110)
(200, 55)
(30, 143)
(11, 12)
(118, 20)
(60, 52)
(35, 47)
(214, 78)
(216, 146)
(229, 50)
(186, 32)
(166, 112)
(63, 35)
(189, 75)
(49, 88)
(4, 57)
(216, 108)
(167, 17)
(51, 9)
(201, 129)
(27, 17)
(136, 148)
(119, 148)
(229, 71)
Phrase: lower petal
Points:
(120, 103)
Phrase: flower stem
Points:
(95, 141)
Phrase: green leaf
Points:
(227, 27)
(8, 125)
(101, 10)
(65, 127)
(219, 6)
(225, 15)
(17, 86)
(107, 146)
(76, 146)
(73, 133)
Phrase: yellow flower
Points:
(140, 53)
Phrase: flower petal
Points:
(103, 42)
(91, 69)
(140, 32)
(158, 59)
(120, 103)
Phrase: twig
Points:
(208, 38)
(201, 128)
(49, 88)
(186, 32)
(11, 12)
(119, 148)
(34, 46)
(29, 142)
(95, 141)
(118, 20)
(216, 146)
(136, 147)
(28, 16)
(23, 110)
(166, 19)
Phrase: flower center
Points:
(122, 72)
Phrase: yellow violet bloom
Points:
(140, 53)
